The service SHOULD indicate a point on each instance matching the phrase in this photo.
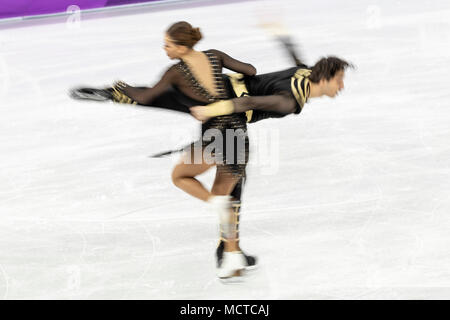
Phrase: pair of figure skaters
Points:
(222, 102)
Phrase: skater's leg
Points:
(183, 176)
(224, 184)
(236, 194)
(233, 261)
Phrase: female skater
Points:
(198, 76)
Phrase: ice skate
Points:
(251, 261)
(92, 94)
(233, 265)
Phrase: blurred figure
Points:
(280, 93)
(198, 76)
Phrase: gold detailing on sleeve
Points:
(295, 91)
(301, 94)
(302, 73)
(119, 96)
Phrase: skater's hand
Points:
(120, 85)
(199, 113)
(118, 94)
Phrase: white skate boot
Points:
(233, 264)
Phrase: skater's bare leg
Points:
(183, 176)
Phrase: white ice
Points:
(353, 204)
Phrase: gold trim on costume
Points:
(249, 115)
(240, 89)
(238, 84)
(301, 94)
(120, 97)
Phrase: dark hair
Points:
(326, 68)
(183, 34)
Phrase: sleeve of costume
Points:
(235, 65)
(148, 95)
(281, 103)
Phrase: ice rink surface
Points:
(352, 203)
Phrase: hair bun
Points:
(182, 33)
(196, 34)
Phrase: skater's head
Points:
(180, 38)
(328, 74)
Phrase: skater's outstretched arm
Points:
(282, 104)
(172, 77)
(282, 35)
(288, 44)
(172, 92)
(233, 64)
(145, 96)
(157, 97)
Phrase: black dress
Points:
(226, 135)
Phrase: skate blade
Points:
(79, 94)
(251, 268)
(236, 278)
(232, 280)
